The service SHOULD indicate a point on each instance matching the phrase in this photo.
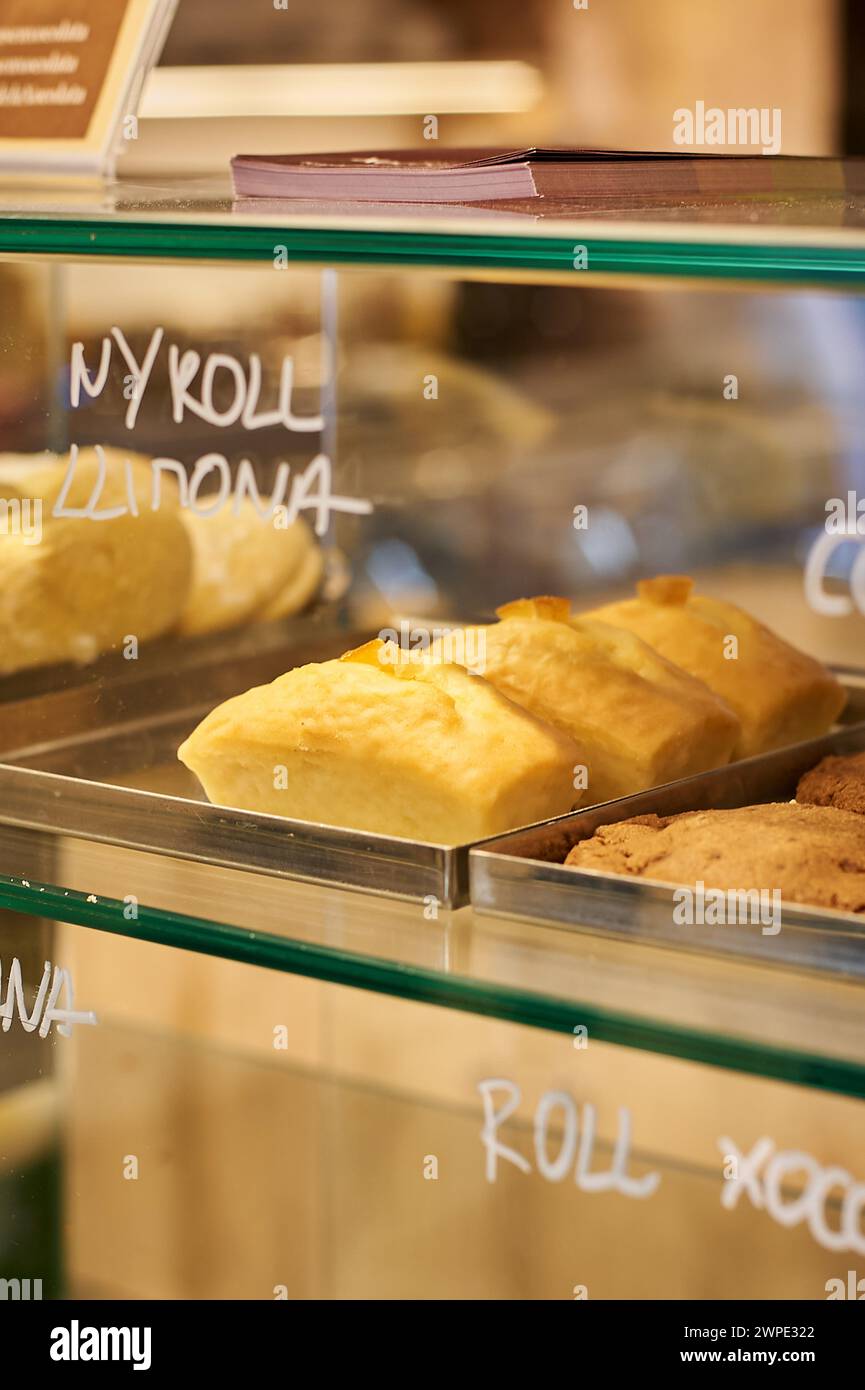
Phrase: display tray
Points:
(94, 755)
(522, 874)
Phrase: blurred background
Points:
(349, 74)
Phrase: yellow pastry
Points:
(83, 586)
(245, 567)
(640, 720)
(420, 750)
(303, 584)
(780, 695)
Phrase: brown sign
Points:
(68, 70)
(54, 58)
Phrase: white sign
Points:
(577, 1124)
(46, 1007)
(766, 1174)
(308, 490)
(763, 1173)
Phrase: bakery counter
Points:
(259, 1039)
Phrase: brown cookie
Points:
(811, 854)
(835, 781)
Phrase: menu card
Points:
(487, 176)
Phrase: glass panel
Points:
(753, 1017)
(273, 1138)
(472, 416)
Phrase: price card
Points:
(71, 73)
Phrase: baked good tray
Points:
(93, 754)
(522, 874)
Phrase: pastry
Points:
(303, 583)
(86, 586)
(245, 567)
(781, 695)
(811, 854)
(835, 781)
(640, 720)
(416, 749)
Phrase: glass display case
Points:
(257, 1056)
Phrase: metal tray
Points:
(522, 874)
(94, 755)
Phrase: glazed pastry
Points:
(245, 567)
(417, 749)
(85, 586)
(780, 695)
(811, 854)
(640, 720)
(835, 781)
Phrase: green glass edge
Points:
(206, 241)
(430, 987)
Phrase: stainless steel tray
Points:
(92, 754)
(96, 759)
(522, 874)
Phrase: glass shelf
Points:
(745, 1017)
(768, 238)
